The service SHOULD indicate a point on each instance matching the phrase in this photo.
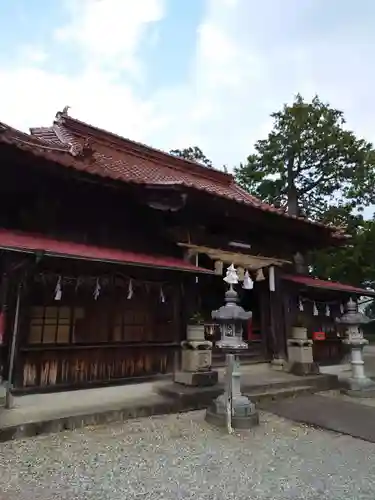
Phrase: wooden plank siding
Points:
(80, 341)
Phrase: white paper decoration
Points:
(315, 310)
(58, 289)
(248, 283)
(97, 289)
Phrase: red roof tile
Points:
(328, 285)
(31, 243)
(137, 165)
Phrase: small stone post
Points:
(232, 409)
(358, 384)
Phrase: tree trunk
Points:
(292, 190)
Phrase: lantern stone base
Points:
(197, 379)
(364, 389)
(245, 415)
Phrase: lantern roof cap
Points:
(231, 311)
(352, 316)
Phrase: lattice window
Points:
(53, 325)
(131, 325)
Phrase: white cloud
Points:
(94, 97)
(109, 32)
(106, 35)
(251, 57)
(32, 55)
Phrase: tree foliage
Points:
(309, 160)
(311, 165)
(353, 263)
(192, 154)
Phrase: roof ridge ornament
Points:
(62, 114)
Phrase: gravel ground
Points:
(181, 457)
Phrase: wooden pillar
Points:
(265, 321)
(179, 321)
(4, 297)
(277, 319)
(17, 274)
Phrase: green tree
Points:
(353, 263)
(311, 165)
(309, 160)
(192, 154)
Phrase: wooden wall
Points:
(79, 341)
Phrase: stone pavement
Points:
(41, 413)
(331, 410)
(181, 457)
(346, 416)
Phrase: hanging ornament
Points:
(196, 265)
(58, 289)
(315, 310)
(78, 284)
(328, 311)
(260, 275)
(342, 309)
(248, 283)
(219, 268)
(231, 276)
(271, 279)
(240, 273)
(97, 289)
(162, 296)
(300, 305)
(130, 289)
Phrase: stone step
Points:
(286, 392)
(322, 381)
(172, 398)
(201, 397)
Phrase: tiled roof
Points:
(328, 285)
(135, 165)
(31, 243)
(137, 169)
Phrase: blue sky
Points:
(175, 73)
(166, 50)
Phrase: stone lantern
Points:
(358, 384)
(232, 409)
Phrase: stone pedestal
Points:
(196, 361)
(358, 385)
(196, 356)
(195, 333)
(243, 411)
(197, 379)
(300, 357)
(299, 333)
